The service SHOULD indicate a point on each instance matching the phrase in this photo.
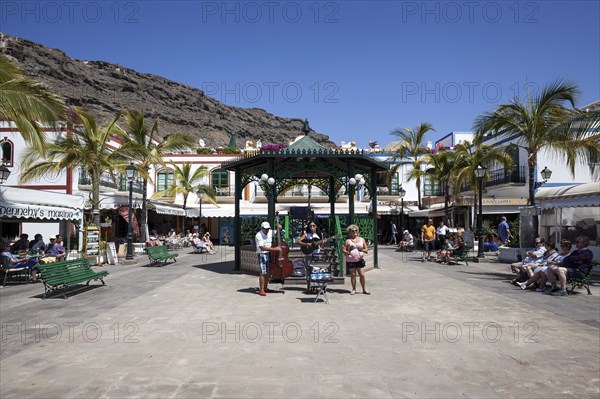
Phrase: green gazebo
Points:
(306, 162)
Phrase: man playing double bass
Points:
(264, 247)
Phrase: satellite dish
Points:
(202, 143)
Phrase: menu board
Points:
(92, 247)
(111, 253)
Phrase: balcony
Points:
(516, 176)
(107, 182)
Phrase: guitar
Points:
(308, 249)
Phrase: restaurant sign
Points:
(23, 211)
(494, 201)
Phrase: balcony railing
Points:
(505, 176)
(514, 175)
(106, 181)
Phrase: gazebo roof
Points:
(304, 144)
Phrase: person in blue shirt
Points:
(14, 262)
(504, 231)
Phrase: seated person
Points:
(540, 274)
(312, 238)
(406, 242)
(197, 243)
(444, 251)
(531, 256)
(15, 263)
(153, 240)
(56, 249)
(208, 243)
(457, 250)
(21, 245)
(525, 271)
(577, 264)
(37, 244)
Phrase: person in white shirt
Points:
(264, 247)
(441, 233)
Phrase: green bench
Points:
(583, 281)
(462, 257)
(60, 275)
(160, 255)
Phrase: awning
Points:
(579, 195)
(164, 209)
(117, 201)
(21, 203)
(500, 210)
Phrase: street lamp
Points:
(4, 173)
(200, 197)
(402, 193)
(546, 174)
(131, 175)
(480, 174)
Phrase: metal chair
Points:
(22, 271)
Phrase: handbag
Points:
(362, 262)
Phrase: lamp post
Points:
(546, 174)
(4, 173)
(401, 193)
(480, 174)
(200, 197)
(357, 180)
(131, 174)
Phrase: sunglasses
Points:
(353, 231)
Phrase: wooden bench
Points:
(462, 257)
(60, 275)
(160, 255)
(582, 281)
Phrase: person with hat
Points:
(56, 249)
(264, 248)
(406, 242)
(197, 243)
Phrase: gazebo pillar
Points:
(271, 194)
(373, 195)
(350, 189)
(237, 226)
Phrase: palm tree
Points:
(86, 148)
(544, 123)
(466, 159)
(144, 148)
(29, 104)
(442, 167)
(412, 146)
(187, 182)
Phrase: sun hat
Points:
(265, 225)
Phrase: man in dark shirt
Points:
(20, 245)
(576, 264)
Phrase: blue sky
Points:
(355, 69)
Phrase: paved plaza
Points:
(196, 329)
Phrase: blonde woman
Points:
(355, 248)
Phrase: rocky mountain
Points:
(104, 89)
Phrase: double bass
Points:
(280, 266)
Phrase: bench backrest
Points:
(158, 250)
(62, 271)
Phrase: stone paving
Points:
(195, 329)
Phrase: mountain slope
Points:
(103, 89)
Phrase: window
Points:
(164, 179)
(7, 152)
(220, 181)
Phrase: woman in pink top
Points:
(354, 248)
